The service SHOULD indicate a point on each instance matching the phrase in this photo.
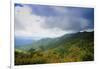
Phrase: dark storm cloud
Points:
(65, 18)
(68, 24)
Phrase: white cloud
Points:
(30, 25)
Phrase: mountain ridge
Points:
(55, 41)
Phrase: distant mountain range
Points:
(22, 41)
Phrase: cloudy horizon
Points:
(41, 21)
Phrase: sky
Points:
(44, 21)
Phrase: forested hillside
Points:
(68, 48)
